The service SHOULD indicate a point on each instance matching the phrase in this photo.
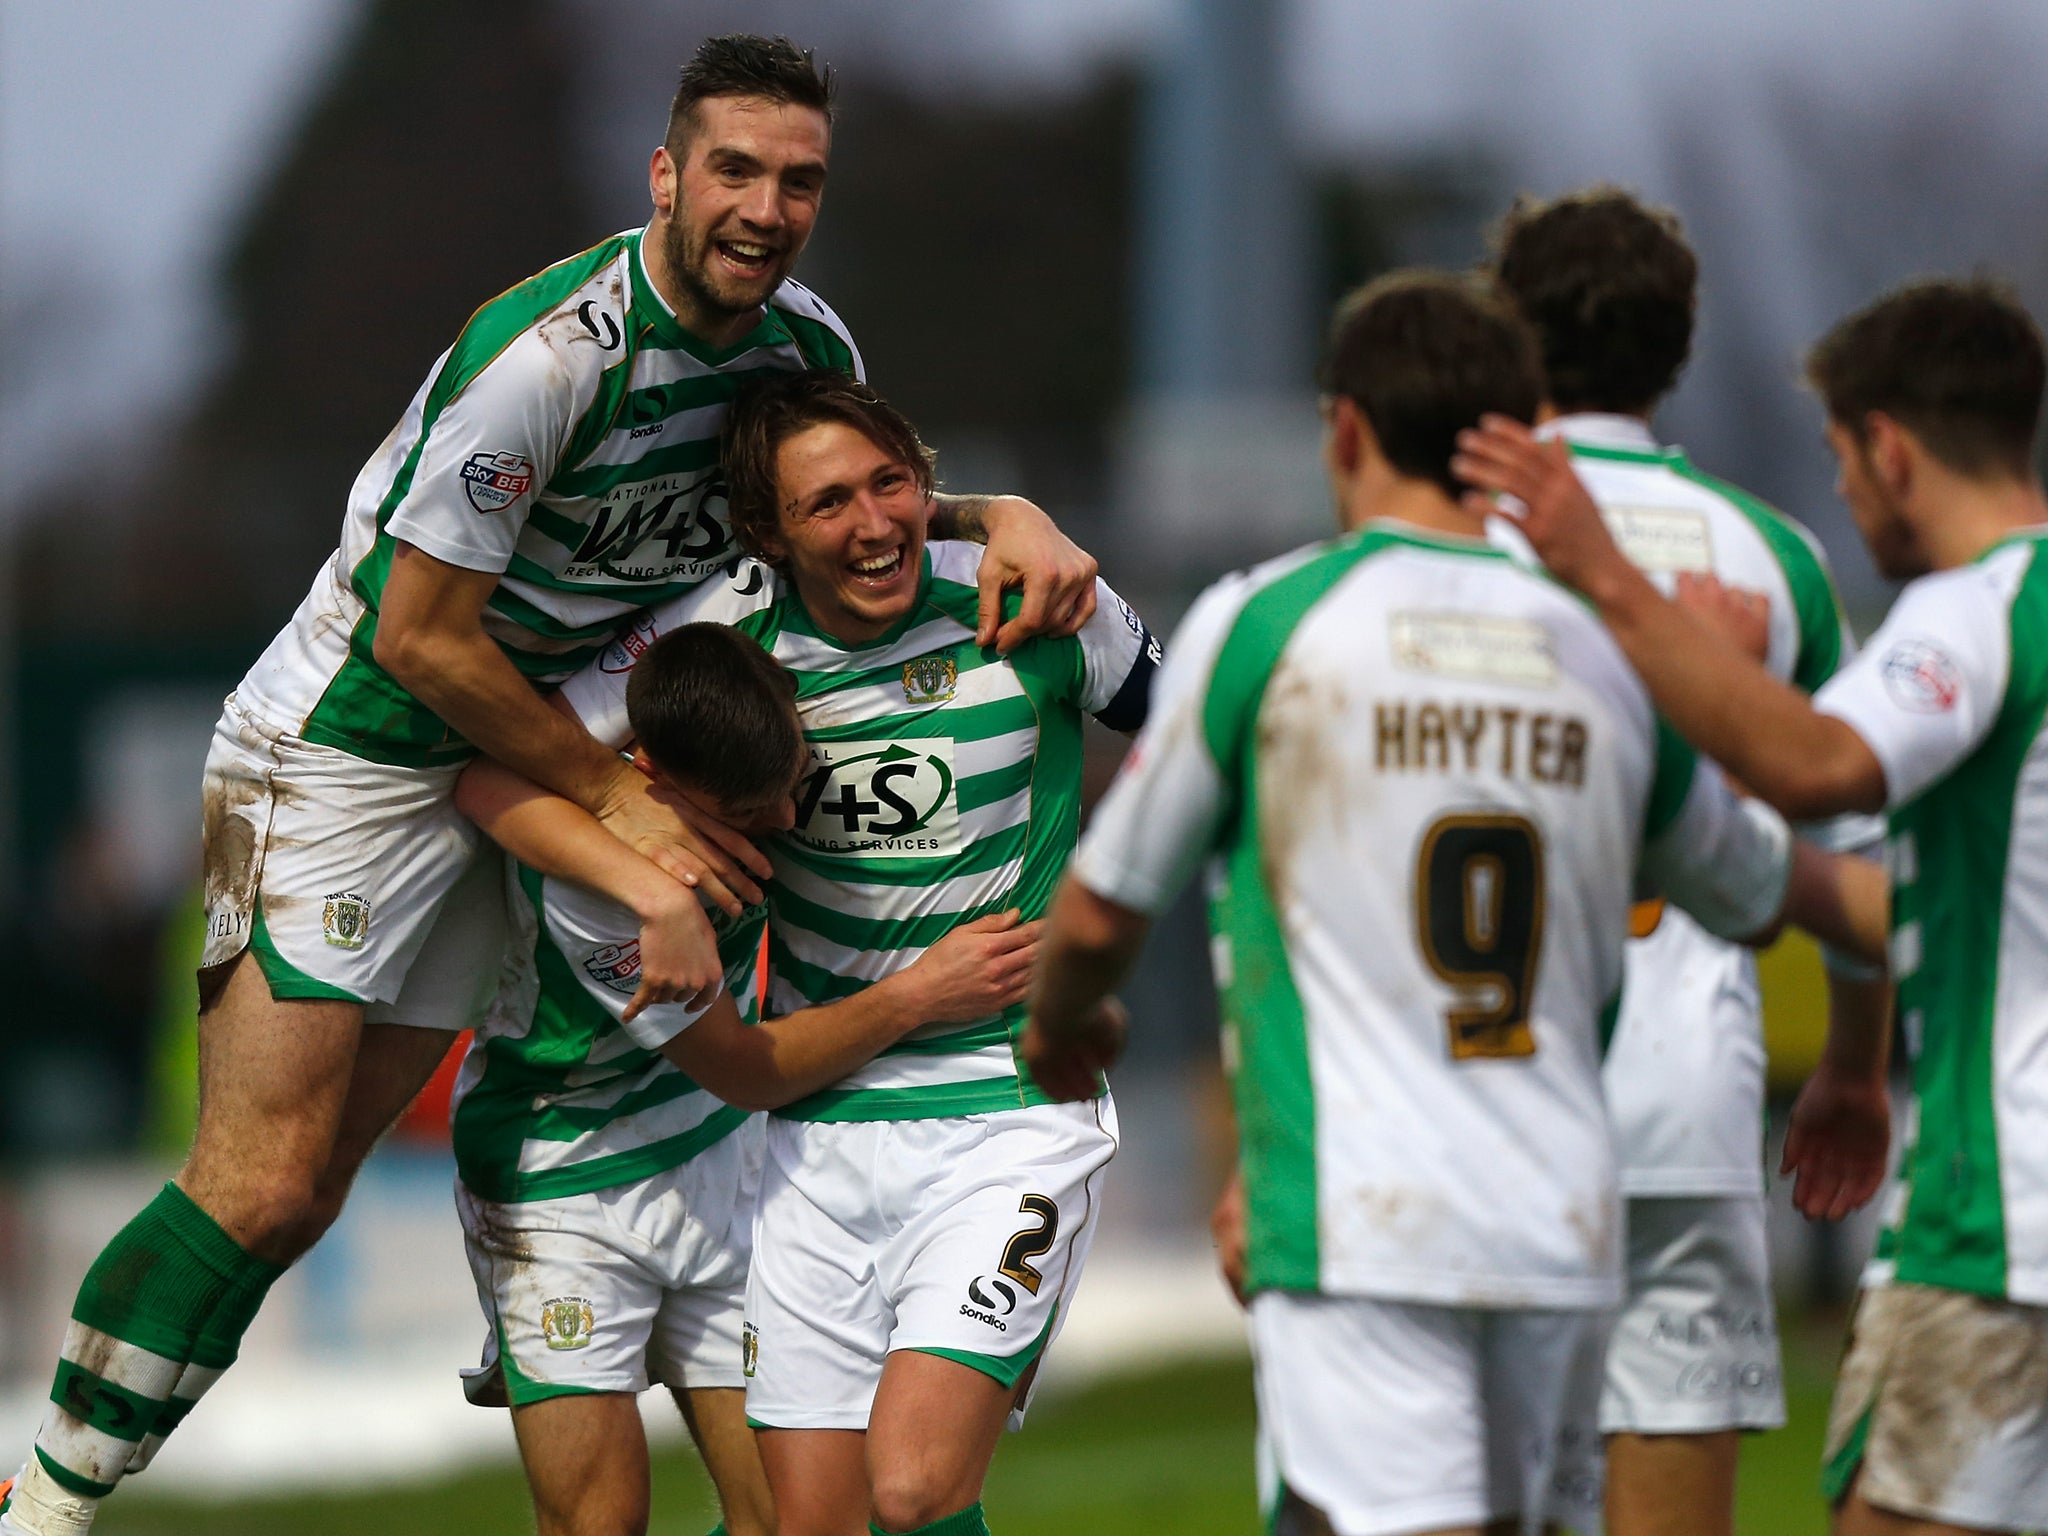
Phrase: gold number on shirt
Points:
(1479, 919)
(1031, 1242)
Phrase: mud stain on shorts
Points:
(1960, 1366)
(228, 842)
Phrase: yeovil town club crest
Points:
(930, 679)
(345, 920)
(567, 1322)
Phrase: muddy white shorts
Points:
(620, 1288)
(334, 870)
(1695, 1347)
(1392, 1416)
(1941, 1409)
(960, 1237)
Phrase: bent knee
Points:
(909, 1504)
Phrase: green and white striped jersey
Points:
(945, 785)
(1428, 780)
(1685, 1067)
(569, 441)
(1951, 696)
(557, 1096)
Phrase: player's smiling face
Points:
(735, 214)
(849, 529)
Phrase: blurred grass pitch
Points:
(1165, 1452)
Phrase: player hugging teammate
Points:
(924, 1208)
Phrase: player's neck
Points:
(1418, 503)
(1965, 517)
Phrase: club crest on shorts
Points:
(750, 1349)
(345, 920)
(930, 679)
(493, 481)
(567, 1322)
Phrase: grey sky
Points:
(1819, 149)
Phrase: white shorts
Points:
(610, 1291)
(1694, 1348)
(1392, 1416)
(962, 1237)
(1941, 1409)
(333, 869)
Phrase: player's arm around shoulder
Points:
(548, 833)
(498, 418)
(976, 971)
(1054, 578)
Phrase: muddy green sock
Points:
(134, 1328)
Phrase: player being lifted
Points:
(924, 1219)
(607, 1196)
(1933, 400)
(1608, 286)
(556, 471)
(1429, 782)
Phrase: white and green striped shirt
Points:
(1951, 695)
(945, 785)
(558, 1096)
(568, 441)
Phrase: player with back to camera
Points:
(555, 472)
(924, 1220)
(1608, 285)
(1429, 783)
(607, 1197)
(1933, 401)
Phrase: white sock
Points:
(40, 1506)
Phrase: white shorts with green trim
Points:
(962, 1237)
(1393, 1416)
(618, 1289)
(1941, 1409)
(1695, 1346)
(333, 871)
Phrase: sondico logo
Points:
(893, 799)
(982, 1304)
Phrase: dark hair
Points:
(740, 64)
(1957, 363)
(1424, 355)
(1610, 286)
(717, 712)
(774, 409)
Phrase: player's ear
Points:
(645, 764)
(1345, 443)
(1889, 450)
(661, 180)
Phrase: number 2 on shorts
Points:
(1479, 919)
(1031, 1242)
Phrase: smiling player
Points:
(556, 471)
(923, 1220)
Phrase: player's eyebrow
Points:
(727, 155)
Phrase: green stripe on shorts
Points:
(287, 982)
(1006, 1369)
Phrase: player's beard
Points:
(690, 265)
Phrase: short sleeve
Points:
(486, 451)
(1724, 861)
(601, 942)
(597, 694)
(1161, 817)
(1118, 659)
(1926, 691)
